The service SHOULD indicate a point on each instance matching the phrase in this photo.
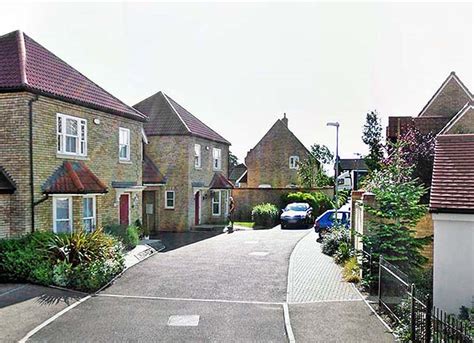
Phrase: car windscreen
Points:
(296, 207)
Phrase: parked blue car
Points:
(327, 220)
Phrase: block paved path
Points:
(324, 308)
(314, 276)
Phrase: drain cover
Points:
(186, 320)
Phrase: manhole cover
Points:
(186, 320)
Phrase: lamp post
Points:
(336, 164)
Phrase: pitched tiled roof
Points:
(151, 173)
(452, 188)
(237, 172)
(26, 65)
(352, 164)
(73, 178)
(7, 185)
(167, 117)
(219, 181)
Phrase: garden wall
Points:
(246, 198)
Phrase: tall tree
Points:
(372, 136)
(233, 160)
(311, 172)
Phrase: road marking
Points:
(13, 290)
(190, 299)
(289, 330)
(53, 318)
(324, 301)
(259, 253)
(183, 320)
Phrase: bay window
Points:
(88, 213)
(216, 203)
(62, 214)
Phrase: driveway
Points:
(209, 287)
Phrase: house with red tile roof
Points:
(70, 152)
(193, 160)
(452, 209)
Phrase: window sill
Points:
(169, 208)
(72, 157)
(125, 162)
(197, 168)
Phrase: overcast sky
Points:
(239, 66)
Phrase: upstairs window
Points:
(217, 158)
(72, 135)
(294, 161)
(124, 144)
(197, 155)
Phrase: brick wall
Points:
(102, 157)
(15, 158)
(5, 215)
(246, 198)
(268, 161)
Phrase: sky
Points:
(239, 66)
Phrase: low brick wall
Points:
(246, 198)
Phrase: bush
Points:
(129, 235)
(265, 215)
(84, 261)
(319, 201)
(343, 253)
(333, 239)
(351, 271)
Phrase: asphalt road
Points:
(229, 287)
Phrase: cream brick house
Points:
(70, 152)
(193, 159)
(273, 162)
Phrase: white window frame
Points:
(55, 199)
(197, 156)
(213, 202)
(293, 162)
(94, 213)
(166, 200)
(81, 138)
(218, 159)
(127, 144)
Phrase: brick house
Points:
(448, 100)
(273, 162)
(193, 160)
(452, 208)
(70, 152)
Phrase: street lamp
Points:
(336, 164)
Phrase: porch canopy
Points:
(7, 185)
(219, 181)
(74, 178)
(151, 173)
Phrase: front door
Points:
(197, 208)
(125, 209)
(149, 211)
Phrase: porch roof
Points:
(219, 181)
(73, 178)
(7, 185)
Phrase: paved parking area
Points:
(24, 306)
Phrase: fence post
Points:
(429, 307)
(413, 318)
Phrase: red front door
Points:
(124, 209)
(197, 209)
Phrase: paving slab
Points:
(112, 319)
(23, 307)
(345, 321)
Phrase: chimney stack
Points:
(285, 120)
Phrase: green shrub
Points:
(319, 201)
(343, 253)
(333, 239)
(129, 235)
(351, 271)
(265, 215)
